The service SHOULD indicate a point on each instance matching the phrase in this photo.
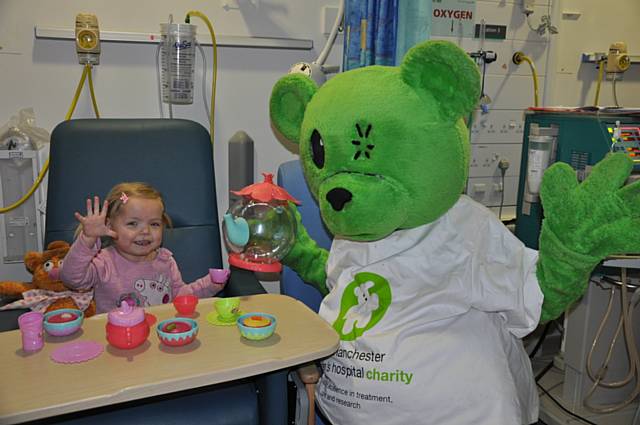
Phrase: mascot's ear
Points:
(446, 72)
(289, 100)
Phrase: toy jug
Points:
(127, 326)
(260, 228)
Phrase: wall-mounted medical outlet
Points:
(497, 127)
(486, 159)
(87, 39)
(618, 60)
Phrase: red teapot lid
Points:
(266, 191)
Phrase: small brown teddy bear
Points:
(46, 292)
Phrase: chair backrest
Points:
(291, 178)
(88, 157)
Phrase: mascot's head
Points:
(383, 148)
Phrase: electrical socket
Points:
(488, 190)
(486, 159)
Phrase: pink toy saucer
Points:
(77, 351)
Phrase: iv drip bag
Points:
(177, 55)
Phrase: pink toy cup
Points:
(32, 330)
(219, 275)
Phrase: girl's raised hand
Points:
(94, 224)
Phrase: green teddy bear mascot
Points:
(429, 292)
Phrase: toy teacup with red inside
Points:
(177, 332)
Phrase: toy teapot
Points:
(127, 326)
(260, 228)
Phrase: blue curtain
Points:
(414, 25)
(370, 33)
(379, 32)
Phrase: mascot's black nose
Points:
(338, 197)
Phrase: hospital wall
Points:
(43, 73)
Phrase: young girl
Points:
(133, 267)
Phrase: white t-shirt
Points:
(430, 321)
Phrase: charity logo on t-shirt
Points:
(364, 302)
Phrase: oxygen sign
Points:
(455, 14)
(454, 18)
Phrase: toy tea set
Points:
(259, 230)
(129, 327)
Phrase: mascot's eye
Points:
(317, 149)
(47, 266)
(60, 263)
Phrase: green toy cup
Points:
(227, 308)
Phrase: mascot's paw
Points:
(307, 258)
(597, 218)
(584, 223)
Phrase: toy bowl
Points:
(185, 304)
(256, 326)
(63, 322)
(177, 331)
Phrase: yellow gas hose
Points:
(85, 72)
(214, 67)
(518, 58)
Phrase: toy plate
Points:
(77, 351)
(214, 319)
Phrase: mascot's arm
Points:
(584, 223)
(308, 259)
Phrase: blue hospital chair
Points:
(87, 158)
(291, 178)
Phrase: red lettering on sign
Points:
(455, 14)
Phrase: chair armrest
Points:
(309, 373)
(243, 282)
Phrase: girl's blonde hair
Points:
(133, 190)
(122, 191)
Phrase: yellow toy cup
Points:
(227, 308)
